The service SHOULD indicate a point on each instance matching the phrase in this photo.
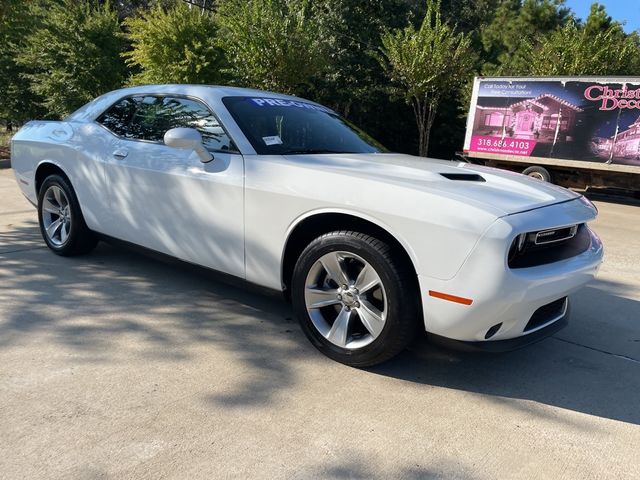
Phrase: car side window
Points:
(155, 115)
(152, 116)
(118, 117)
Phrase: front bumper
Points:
(506, 345)
(505, 296)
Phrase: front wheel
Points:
(61, 222)
(356, 301)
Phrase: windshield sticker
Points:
(278, 102)
(275, 140)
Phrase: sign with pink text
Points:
(569, 118)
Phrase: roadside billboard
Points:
(579, 118)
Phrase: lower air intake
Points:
(547, 314)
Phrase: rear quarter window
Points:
(118, 117)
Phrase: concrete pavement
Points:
(118, 365)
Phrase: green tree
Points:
(426, 63)
(18, 103)
(174, 45)
(353, 83)
(352, 31)
(576, 50)
(471, 16)
(128, 8)
(598, 20)
(516, 24)
(272, 44)
(73, 55)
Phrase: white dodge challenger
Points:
(283, 193)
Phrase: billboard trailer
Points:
(573, 131)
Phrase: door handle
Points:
(120, 154)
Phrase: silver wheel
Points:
(56, 215)
(346, 299)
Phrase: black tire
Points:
(403, 315)
(80, 239)
(539, 173)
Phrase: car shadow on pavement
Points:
(172, 309)
(592, 366)
(116, 306)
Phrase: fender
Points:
(65, 173)
(353, 213)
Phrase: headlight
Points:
(517, 246)
(588, 203)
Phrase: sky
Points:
(621, 10)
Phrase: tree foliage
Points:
(599, 21)
(353, 83)
(507, 38)
(272, 44)
(72, 55)
(426, 63)
(175, 44)
(572, 50)
(17, 102)
(566, 46)
(129, 8)
(397, 68)
(352, 31)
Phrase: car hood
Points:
(500, 191)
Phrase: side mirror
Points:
(187, 138)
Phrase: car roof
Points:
(206, 92)
(216, 90)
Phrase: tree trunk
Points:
(424, 110)
(347, 109)
(431, 116)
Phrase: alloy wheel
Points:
(346, 299)
(56, 215)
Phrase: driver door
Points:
(165, 198)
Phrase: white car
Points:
(285, 194)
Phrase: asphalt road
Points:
(118, 365)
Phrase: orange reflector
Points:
(451, 298)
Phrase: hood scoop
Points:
(464, 177)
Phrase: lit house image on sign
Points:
(625, 145)
(532, 118)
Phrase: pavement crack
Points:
(618, 355)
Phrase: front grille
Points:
(547, 313)
(554, 235)
(548, 246)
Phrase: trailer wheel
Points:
(539, 173)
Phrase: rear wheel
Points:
(61, 222)
(539, 173)
(354, 299)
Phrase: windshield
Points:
(287, 127)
